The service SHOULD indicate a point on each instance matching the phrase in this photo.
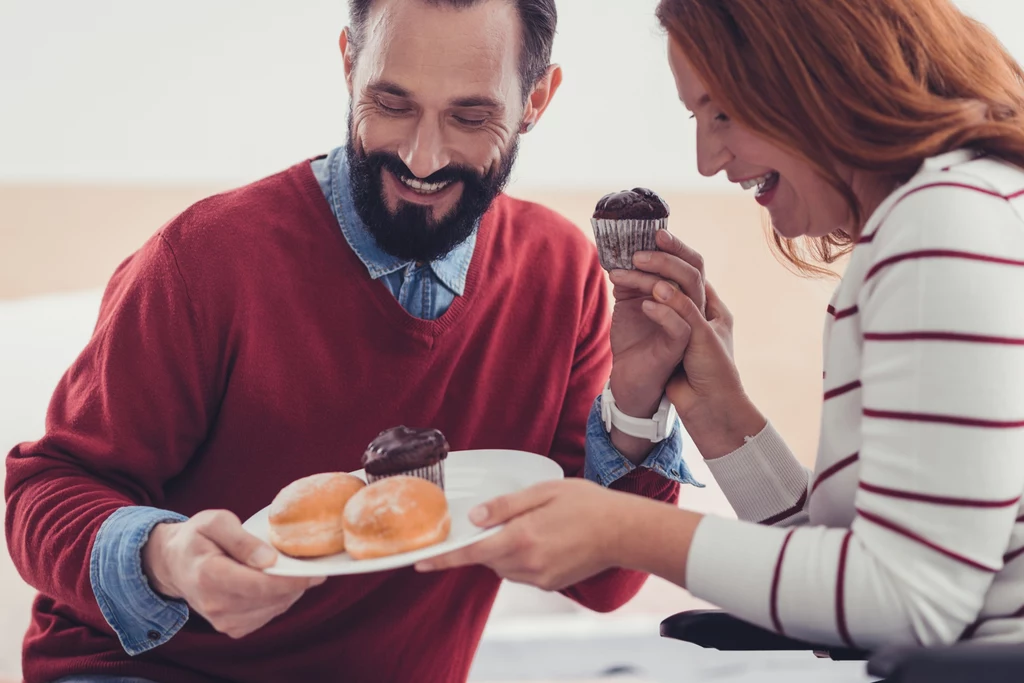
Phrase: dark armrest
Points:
(718, 630)
(967, 663)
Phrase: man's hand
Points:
(213, 564)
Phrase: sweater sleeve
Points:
(942, 433)
(591, 366)
(126, 417)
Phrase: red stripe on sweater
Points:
(868, 238)
(943, 419)
(939, 253)
(973, 628)
(1011, 556)
(833, 470)
(941, 336)
(938, 500)
(776, 579)
(845, 313)
(839, 391)
(1020, 519)
(786, 514)
(891, 526)
(844, 633)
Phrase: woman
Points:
(893, 129)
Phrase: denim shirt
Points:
(142, 619)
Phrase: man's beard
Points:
(412, 234)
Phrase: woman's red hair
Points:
(877, 85)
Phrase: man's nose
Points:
(427, 152)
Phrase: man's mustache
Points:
(450, 173)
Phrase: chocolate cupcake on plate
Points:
(412, 452)
(625, 223)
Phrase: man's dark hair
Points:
(539, 19)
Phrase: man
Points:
(271, 332)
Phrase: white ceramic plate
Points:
(471, 477)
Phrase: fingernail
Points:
(663, 290)
(615, 275)
(665, 235)
(648, 306)
(641, 257)
(478, 515)
(262, 558)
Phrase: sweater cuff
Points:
(762, 479)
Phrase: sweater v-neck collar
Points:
(386, 303)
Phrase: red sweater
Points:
(244, 346)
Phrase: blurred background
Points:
(116, 114)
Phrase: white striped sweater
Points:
(910, 529)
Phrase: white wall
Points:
(229, 90)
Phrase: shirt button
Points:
(153, 635)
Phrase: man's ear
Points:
(539, 99)
(347, 56)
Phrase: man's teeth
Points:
(756, 182)
(422, 187)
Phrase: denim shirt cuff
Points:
(604, 464)
(141, 619)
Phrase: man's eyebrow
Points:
(389, 88)
(478, 101)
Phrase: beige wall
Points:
(60, 238)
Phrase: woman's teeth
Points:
(761, 183)
(421, 187)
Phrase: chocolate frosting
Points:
(401, 449)
(636, 204)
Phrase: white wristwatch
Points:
(655, 429)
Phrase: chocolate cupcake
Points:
(625, 223)
(412, 452)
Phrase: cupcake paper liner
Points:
(432, 473)
(618, 240)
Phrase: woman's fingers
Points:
(636, 284)
(675, 327)
(681, 305)
(504, 508)
(485, 552)
(675, 262)
(671, 244)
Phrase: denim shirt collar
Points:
(450, 270)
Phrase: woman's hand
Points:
(706, 390)
(562, 532)
(557, 534)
